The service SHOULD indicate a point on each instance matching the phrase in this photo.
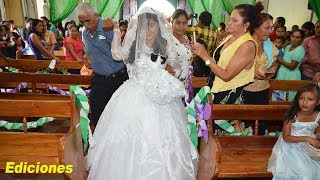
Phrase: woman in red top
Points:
(74, 47)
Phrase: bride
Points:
(142, 133)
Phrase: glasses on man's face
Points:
(154, 58)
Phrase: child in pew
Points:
(296, 153)
(86, 69)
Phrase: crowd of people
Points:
(242, 64)
(40, 38)
(140, 76)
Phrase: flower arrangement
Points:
(199, 111)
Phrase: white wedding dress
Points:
(141, 135)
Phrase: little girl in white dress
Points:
(296, 154)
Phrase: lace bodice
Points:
(160, 86)
(304, 128)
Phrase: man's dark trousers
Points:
(101, 91)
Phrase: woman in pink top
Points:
(74, 47)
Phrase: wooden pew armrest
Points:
(209, 158)
(71, 153)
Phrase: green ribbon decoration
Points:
(200, 98)
(225, 125)
(81, 101)
(32, 124)
(45, 71)
(11, 69)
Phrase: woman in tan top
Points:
(257, 92)
(265, 67)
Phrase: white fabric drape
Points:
(2, 10)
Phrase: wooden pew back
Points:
(11, 80)
(238, 156)
(46, 148)
(35, 64)
(20, 55)
(198, 82)
(286, 85)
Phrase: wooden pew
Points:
(238, 156)
(26, 65)
(286, 85)
(12, 80)
(20, 55)
(60, 52)
(46, 148)
(27, 96)
(198, 82)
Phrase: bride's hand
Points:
(170, 70)
(115, 25)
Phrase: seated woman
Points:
(37, 42)
(74, 47)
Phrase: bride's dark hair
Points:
(159, 45)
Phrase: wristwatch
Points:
(208, 62)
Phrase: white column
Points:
(2, 10)
(43, 8)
